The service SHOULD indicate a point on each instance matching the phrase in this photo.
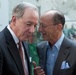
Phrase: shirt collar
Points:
(13, 34)
(59, 42)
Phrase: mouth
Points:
(43, 34)
(31, 35)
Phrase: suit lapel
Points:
(43, 50)
(13, 50)
(62, 56)
(45, 56)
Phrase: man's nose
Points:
(40, 29)
(32, 29)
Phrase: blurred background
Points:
(67, 7)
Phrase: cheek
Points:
(25, 32)
(49, 31)
(25, 29)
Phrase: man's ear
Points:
(60, 27)
(14, 19)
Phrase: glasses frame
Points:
(44, 25)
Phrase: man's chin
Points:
(44, 39)
(25, 39)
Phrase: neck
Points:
(55, 39)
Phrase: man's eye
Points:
(29, 24)
(35, 25)
(41, 25)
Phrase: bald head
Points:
(55, 16)
(51, 25)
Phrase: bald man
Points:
(57, 53)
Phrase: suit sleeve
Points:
(1, 62)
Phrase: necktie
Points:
(22, 58)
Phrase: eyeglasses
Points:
(44, 26)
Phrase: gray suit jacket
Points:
(10, 62)
(67, 53)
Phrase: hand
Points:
(38, 70)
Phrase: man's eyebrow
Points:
(29, 22)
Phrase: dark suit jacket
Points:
(10, 62)
(67, 53)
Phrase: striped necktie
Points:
(22, 58)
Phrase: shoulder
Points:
(2, 38)
(1, 35)
(42, 43)
(42, 46)
(70, 45)
(69, 41)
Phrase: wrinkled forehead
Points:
(48, 14)
(31, 10)
(31, 13)
(46, 18)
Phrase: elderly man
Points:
(14, 59)
(57, 53)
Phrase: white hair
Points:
(19, 9)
